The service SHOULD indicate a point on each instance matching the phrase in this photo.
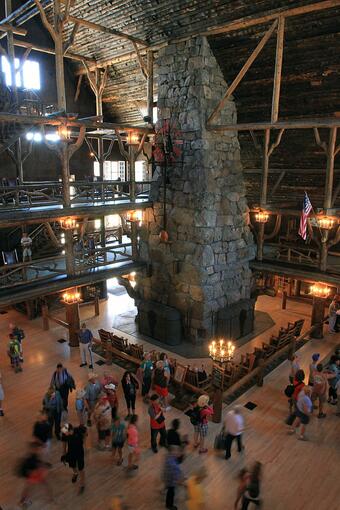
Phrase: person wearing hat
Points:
(201, 429)
(92, 392)
(110, 390)
(234, 427)
(312, 368)
(319, 389)
(103, 419)
(85, 346)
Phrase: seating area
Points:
(195, 379)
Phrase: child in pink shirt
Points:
(132, 441)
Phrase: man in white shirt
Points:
(233, 426)
(26, 245)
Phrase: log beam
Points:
(330, 169)
(51, 51)
(251, 59)
(105, 30)
(149, 94)
(288, 124)
(278, 69)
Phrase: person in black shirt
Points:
(130, 386)
(73, 439)
(174, 438)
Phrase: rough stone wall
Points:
(204, 266)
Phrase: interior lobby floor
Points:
(296, 475)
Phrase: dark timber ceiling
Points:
(310, 75)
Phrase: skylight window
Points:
(27, 77)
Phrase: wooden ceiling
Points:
(311, 64)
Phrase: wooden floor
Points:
(297, 475)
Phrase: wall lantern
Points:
(133, 138)
(319, 290)
(326, 222)
(134, 216)
(64, 133)
(221, 351)
(261, 217)
(68, 224)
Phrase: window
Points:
(140, 170)
(113, 170)
(27, 77)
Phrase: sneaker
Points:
(25, 503)
(321, 415)
(74, 478)
(203, 450)
(134, 466)
(91, 367)
(81, 490)
(127, 417)
(89, 423)
(168, 408)
(119, 462)
(302, 438)
(83, 365)
(155, 450)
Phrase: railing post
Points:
(318, 315)
(44, 313)
(132, 170)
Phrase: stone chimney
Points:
(203, 270)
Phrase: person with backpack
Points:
(292, 391)
(161, 379)
(199, 418)
(319, 390)
(334, 375)
(103, 419)
(157, 423)
(92, 392)
(63, 381)
(252, 491)
(20, 335)
(14, 353)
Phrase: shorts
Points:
(201, 429)
(118, 444)
(303, 417)
(102, 434)
(37, 476)
(133, 449)
(77, 463)
(162, 392)
(27, 252)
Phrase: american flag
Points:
(306, 209)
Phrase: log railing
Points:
(13, 195)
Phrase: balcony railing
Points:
(49, 193)
(50, 268)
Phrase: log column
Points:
(73, 320)
(318, 315)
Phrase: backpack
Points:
(253, 489)
(195, 416)
(289, 390)
(13, 349)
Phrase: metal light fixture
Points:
(326, 222)
(261, 217)
(221, 351)
(70, 298)
(320, 290)
(68, 224)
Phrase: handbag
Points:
(219, 443)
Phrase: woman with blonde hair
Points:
(204, 411)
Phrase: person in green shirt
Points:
(14, 352)
(147, 368)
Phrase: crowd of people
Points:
(98, 406)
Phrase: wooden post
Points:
(72, 318)
(260, 375)
(324, 251)
(284, 300)
(69, 252)
(44, 313)
(65, 172)
(134, 240)
(297, 288)
(265, 168)
(59, 56)
(132, 172)
(318, 315)
(330, 169)
(278, 69)
(149, 56)
(260, 241)
(217, 405)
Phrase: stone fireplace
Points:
(200, 277)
